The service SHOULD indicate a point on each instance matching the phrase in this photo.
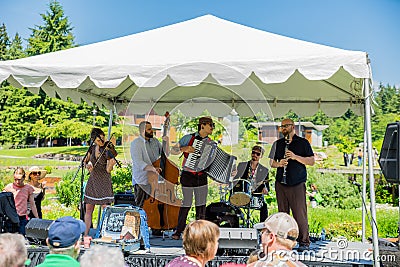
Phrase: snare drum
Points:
(240, 194)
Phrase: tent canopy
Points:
(204, 63)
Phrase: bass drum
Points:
(224, 214)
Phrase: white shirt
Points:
(143, 153)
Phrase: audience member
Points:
(23, 193)
(255, 255)
(200, 242)
(13, 252)
(312, 195)
(34, 176)
(64, 242)
(278, 237)
(102, 256)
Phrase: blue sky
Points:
(372, 26)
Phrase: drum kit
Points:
(236, 211)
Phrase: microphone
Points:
(356, 184)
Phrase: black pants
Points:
(192, 184)
(141, 194)
(263, 212)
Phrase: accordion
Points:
(208, 157)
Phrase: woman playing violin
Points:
(98, 190)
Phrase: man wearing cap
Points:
(192, 182)
(290, 155)
(257, 175)
(278, 237)
(64, 242)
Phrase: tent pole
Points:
(110, 124)
(364, 184)
(367, 106)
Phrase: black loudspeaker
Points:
(389, 157)
(9, 220)
(124, 198)
(38, 229)
(246, 238)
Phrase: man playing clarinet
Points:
(290, 155)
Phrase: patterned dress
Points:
(98, 189)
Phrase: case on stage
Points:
(124, 226)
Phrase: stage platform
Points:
(321, 253)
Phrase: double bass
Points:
(162, 207)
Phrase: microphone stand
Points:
(82, 168)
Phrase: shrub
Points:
(6, 178)
(68, 190)
(349, 230)
(122, 179)
(335, 190)
(48, 169)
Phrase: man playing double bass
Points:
(144, 151)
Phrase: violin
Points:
(110, 151)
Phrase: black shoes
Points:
(302, 248)
(155, 232)
(176, 236)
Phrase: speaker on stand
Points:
(390, 153)
(389, 158)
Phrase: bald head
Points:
(287, 127)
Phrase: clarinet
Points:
(287, 141)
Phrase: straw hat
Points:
(36, 169)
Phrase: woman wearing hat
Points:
(34, 175)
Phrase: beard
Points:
(148, 135)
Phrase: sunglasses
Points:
(255, 153)
(211, 124)
(36, 173)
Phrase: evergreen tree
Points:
(16, 50)
(388, 99)
(54, 35)
(4, 42)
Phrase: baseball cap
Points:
(65, 231)
(281, 224)
(204, 120)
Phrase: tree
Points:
(15, 50)
(54, 35)
(4, 42)
(388, 99)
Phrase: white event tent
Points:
(206, 63)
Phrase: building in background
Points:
(268, 132)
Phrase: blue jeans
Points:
(22, 223)
(144, 228)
